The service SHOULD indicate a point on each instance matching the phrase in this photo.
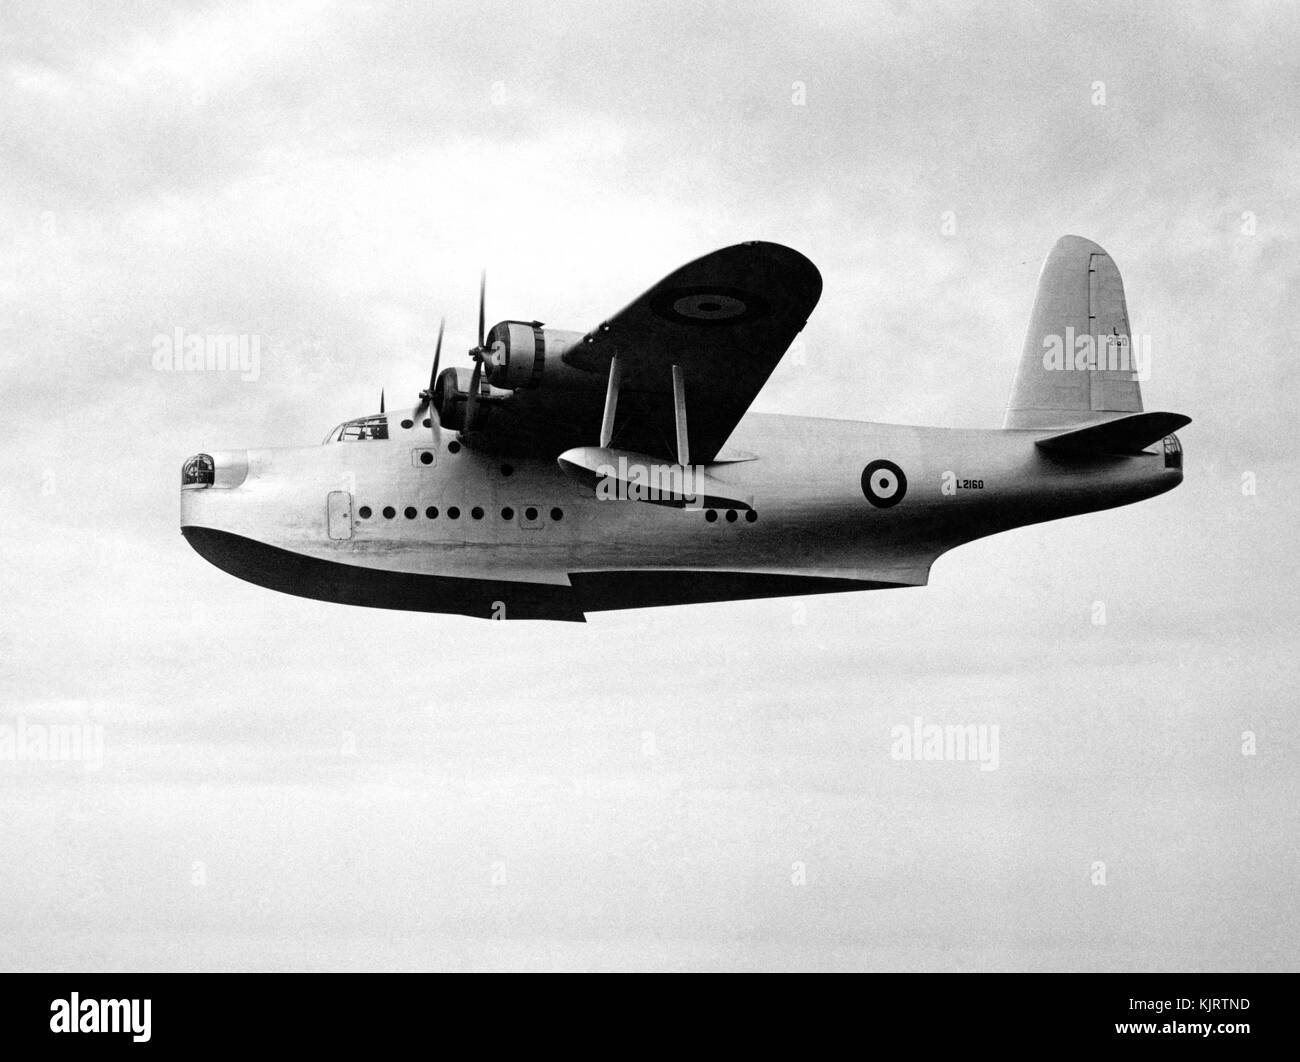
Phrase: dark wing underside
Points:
(726, 319)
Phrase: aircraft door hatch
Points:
(339, 511)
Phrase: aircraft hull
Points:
(311, 521)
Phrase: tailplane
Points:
(1119, 437)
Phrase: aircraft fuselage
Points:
(421, 521)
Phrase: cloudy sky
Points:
(287, 784)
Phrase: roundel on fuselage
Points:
(884, 484)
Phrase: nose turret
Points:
(205, 478)
(221, 468)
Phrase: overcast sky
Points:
(291, 784)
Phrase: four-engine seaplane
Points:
(566, 473)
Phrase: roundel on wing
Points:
(708, 306)
(884, 484)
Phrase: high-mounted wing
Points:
(726, 319)
(723, 320)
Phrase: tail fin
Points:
(1078, 365)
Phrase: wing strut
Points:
(680, 485)
(611, 402)
(679, 407)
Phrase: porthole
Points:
(477, 512)
(431, 512)
(731, 516)
(408, 424)
(411, 512)
(530, 513)
(750, 516)
(426, 458)
(389, 512)
(507, 470)
(453, 513)
(364, 512)
(427, 422)
(711, 516)
(557, 514)
(453, 447)
(507, 513)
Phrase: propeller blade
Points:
(482, 308)
(434, 416)
(437, 353)
(427, 397)
(471, 406)
(381, 400)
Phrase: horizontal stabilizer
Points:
(1125, 435)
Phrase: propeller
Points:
(426, 396)
(430, 396)
(478, 353)
(381, 400)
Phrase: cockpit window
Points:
(1173, 452)
(198, 471)
(360, 430)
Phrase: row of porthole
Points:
(453, 513)
(711, 515)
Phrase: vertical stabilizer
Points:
(1078, 364)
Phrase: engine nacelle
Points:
(451, 396)
(523, 354)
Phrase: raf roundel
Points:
(884, 484)
(708, 305)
